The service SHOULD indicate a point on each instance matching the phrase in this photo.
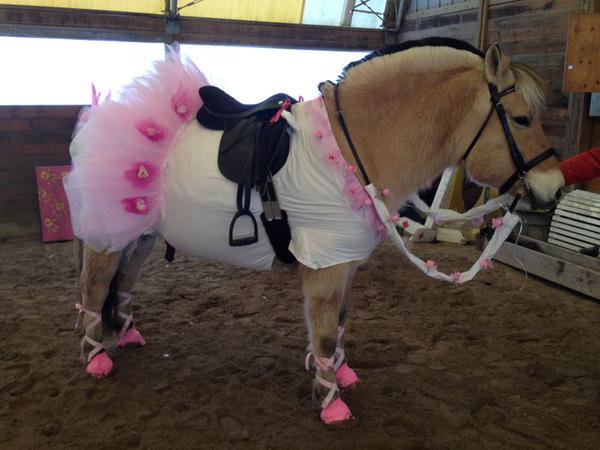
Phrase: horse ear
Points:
(496, 65)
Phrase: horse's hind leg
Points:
(127, 274)
(97, 272)
(323, 290)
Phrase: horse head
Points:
(512, 152)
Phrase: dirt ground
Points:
(503, 361)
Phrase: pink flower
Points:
(456, 276)
(333, 158)
(497, 222)
(394, 218)
(351, 168)
(430, 264)
(485, 264)
(151, 130)
(368, 201)
(136, 205)
(180, 103)
(318, 134)
(141, 174)
(386, 191)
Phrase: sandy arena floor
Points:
(503, 361)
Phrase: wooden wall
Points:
(530, 31)
(30, 136)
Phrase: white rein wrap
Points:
(509, 221)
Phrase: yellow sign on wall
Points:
(141, 6)
(286, 11)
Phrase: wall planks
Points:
(30, 136)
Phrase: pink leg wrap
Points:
(346, 377)
(336, 412)
(131, 338)
(100, 365)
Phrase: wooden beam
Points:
(457, 7)
(557, 270)
(108, 25)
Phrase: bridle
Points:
(522, 167)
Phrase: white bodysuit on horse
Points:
(200, 203)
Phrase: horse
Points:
(143, 168)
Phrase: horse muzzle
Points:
(545, 188)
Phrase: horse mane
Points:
(528, 82)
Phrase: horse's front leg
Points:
(324, 292)
(97, 272)
(345, 376)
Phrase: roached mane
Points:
(527, 81)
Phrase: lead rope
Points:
(504, 227)
(97, 346)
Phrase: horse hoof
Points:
(336, 413)
(346, 378)
(100, 366)
(132, 338)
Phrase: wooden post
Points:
(347, 13)
(483, 14)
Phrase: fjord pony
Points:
(412, 110)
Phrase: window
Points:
(57, 71)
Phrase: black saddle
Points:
(253, 148)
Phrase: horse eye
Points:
(522, 121)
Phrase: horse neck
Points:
(407, 132)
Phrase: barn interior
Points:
(511, 359)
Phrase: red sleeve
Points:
(582, 167)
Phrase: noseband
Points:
(522, 167)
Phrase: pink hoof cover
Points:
(337, 411)
(346, 377)
(132, 338)
(100, 366)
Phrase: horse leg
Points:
(125, 278)
(97, 272)
(323, 290)
(345, 376)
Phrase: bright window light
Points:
(251, 74)
(60, 71)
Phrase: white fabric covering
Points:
(200, 204)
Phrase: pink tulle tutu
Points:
(115, 189)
